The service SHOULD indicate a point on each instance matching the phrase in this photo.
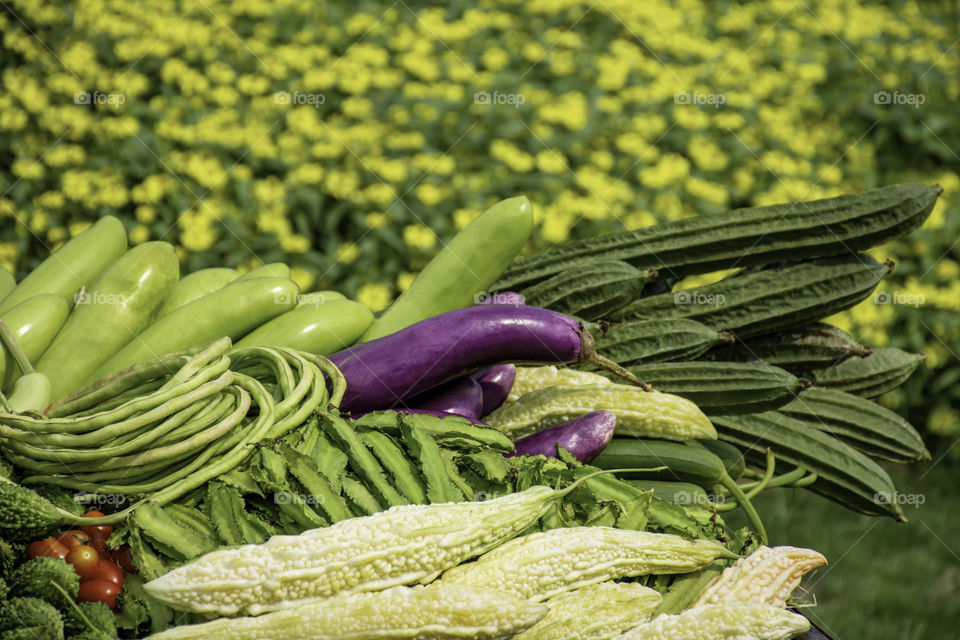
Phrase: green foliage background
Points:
(345, 138)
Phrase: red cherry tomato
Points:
(106, 571)
(102, 531)
(73, 538)
(85, 560)
(124, 558)
(100, 544)
(50, 547)
(99, 591)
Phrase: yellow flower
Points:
(375, 220)
(947, 270)
(295, 243)
(713, 193)
(38, 222)
(495, 59)
(463, 217)
(76, 228)
(27, 169)
(706, 154)
(556, 226)
(418, 236)
(139, 234)
(405, 279)
(375, 297)
(52, 200)
(57, 235)
(347, 253)
(145, 214)
(671, 169)
(303, 277)
(550, 161)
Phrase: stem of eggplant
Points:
(589, 355)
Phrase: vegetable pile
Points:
(555, 457)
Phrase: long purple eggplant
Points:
(387, 371)
(584, 437)
(461, 397)
(495, 383)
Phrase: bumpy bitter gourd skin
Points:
(545, 564)
(435, 612)
(535, 378)
(768, 575)
(644, 414)
(404, 545)
(727, 621)
(598, 612)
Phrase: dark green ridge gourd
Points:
(844, 474)
(590, 291)
(864, 425)
(745, 237)
(768, 300)
(720, 388)
(656, 340)
(798, 350)
(883, 370)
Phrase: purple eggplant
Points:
(583, 437)
(462, 397)
(496, 383)
(387, 371)
(501, 297)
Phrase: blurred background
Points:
(352, 139)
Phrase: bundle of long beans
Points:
(165, 427)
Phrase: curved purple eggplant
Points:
(462, 397)
(583, 437)
(384, 372)
(496, 383)
(502, 297)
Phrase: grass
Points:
(885, 580)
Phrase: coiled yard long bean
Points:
(166, 426)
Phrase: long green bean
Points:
(163, 428)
